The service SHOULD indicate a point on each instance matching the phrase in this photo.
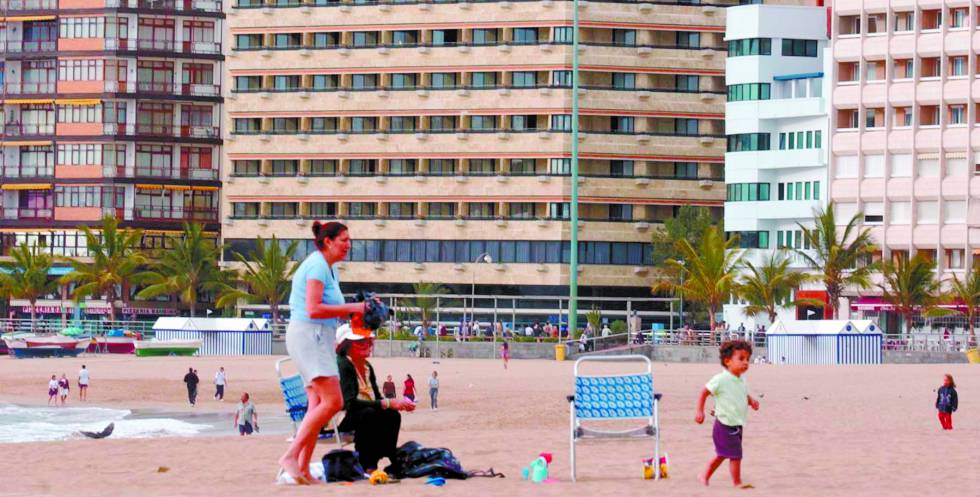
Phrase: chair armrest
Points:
(657, 396)
(570, 398)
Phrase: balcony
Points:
(11, 171)
(28, 214)
(14, 47)
(180, 89)
(169, 46)
(29, 88)
(19, 130)
(167, 5)
(162, 130)
(176, 215)
(109, 171)
(28, 5)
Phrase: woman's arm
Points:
(316, 309)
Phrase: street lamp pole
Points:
(484, 257)
(573, 204)
(681, 323)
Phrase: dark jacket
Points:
(191, 380)
(946, 400)
(349, 388)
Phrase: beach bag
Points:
(412, 460)
(342, 465)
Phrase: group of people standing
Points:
(59, 388)
(389, 392)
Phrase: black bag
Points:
(376, 313)
(342, 465)
(411, 460)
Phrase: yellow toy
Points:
(378, 477)
(648, 468)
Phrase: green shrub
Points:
(618, 327)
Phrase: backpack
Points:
(411, 460)
(342, 465)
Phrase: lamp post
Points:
(484, 257)
(681, 325)
(573, 204)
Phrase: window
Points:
(80, 70)
(154, 160)
(561, 167)
(621, 168)
(686, 127)
(362, 167)
(284, 168)
(748, 142)
(799, 48)
(621, 124)
(687, 170)
(442, 167)
(483, 79)
(561, 122)
(320, 167)
(362, 209)
(525, 35)
(79, 113)
(445, 36)
(751, 239)
(484, 123)
(749, 46)
(82, 27)
(287, 40)
(245, 210)
(563, 34)
(559, 210)
(958, 17)
(155, 76)
(954, 211)
(687, 83)
(927, 212)
(957, 114)
(285, 124)
(364, 38)
(443, 80)
(954, 258)
(524, 79)
(523, 122)
(562, 79)
(747, 192)
(481, 167)
(442, 123)
(957, 66)
(521, 210)
(624, 81)
(404, 37)
(522, 167)
(364, 81)
(326, 40)
(688, 39)
(401, 167)
(441, 210)
(246, 167)
(80, 154)
(323, 124)
(485, 36)
(323, 209)
(904, 21)
(401, 210)
(286, 83)
(482, 210)
(620, 212)
(325, 81)
(363, 124)
(748, 91)
(624, 37)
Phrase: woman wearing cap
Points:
(315, 303)
(374, 420)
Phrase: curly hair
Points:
(728, 349)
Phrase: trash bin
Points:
(973, 356)
(560, 352)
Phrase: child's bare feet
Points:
(703, 478)
(744, 486)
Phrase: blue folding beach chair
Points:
(614, 398)
(294, 394)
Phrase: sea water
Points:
(43, 424)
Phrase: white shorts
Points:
(311, 347)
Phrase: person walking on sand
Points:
(947, 402)
(409, 391)
(63, 387)
(53, 390)
(191, 380)
(732, 401)
(219, 384)
(434, 391)
(388, 389)
(505, 352)
(245, 416)
(83, 380)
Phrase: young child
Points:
(732, 400)
(947, 402)
(63, 387)
(53, 390)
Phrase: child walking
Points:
(53, 390)
(947, 402)
(732, 400)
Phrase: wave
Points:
(20, 424)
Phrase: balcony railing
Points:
(190, 47)
(29, 88)
(112, 129)
(21, 5)
(176, 215)
(498, 43)
(177, 5)
(183, 89)
(28, 129)
(110, 171)
(28, 214)
(28, 171)
(31, 46)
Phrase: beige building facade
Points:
(441, 131)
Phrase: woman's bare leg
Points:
(327, 389)
(306, 452)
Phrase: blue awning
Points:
(790, 77)
(55, 271)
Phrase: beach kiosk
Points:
(824, 342)
(219, 336)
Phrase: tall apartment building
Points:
(440, 131)
(110, 107)
(776, 119)
(905, 142)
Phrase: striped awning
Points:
(204, 188)
(176, 187)
(26, 186)
(15, 101)
(78, 101)
(25, 143)
(149, 187)
(26, 18)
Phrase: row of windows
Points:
(433, 210)
(763, 46)
(747, 192)
(748, 91)
(795, 140)
(746, 142)
(792, 239)
(799, 48)
(751, 239)
(904, 21)
(324, 3)
(90, 196)
(80, 69)
(799, 190)
(905, 165)
(466, 251)
(876, 71)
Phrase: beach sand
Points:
(821, 431)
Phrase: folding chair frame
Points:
(333, 424)
(650, 429)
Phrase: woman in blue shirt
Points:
(315, 303)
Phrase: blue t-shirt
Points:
(315, 267)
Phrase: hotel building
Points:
(441, 131)
(905, 141)
(109, 107)
(776, 120)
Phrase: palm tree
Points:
(26, 276)
(769, 286)
(910, 285)
(116, 261)
(188, 266)
(424, 300)
(966, 293)
(266, 277)
(708, 272)
(840, 261)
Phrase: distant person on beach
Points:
(947, 402)
(191, 380)
(63, 387)
(434, 391)
(53, 390)
(732, 401)
(83, 383)
(388, 389)
(219, 384)
(245, 416)
(505, 352)
(409, 392)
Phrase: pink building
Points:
(905, 142)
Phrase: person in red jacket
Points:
(410, 388)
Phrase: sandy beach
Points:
(869, 430)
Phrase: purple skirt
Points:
(728, 440)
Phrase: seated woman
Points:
(374, 420)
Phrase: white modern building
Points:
(776, 123)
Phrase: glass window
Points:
(364, 38)
(362, 209)
(522, 167)
(325, 40)
(624, 81)
(687, 83)
(561, 122)
(325, 81)
(799, 48)
(443, 80)
(364, 81)
(525, 35)
(560, 167)
(688, 39)
(442, 167)
(624, 36)
(485, 123)
(561, 78)
(749, 46)
(687, 170)
(362, 167)
(441, 210)
(401, 167)
(363, 124)
(404, 37)
(687, 127)
(442, 123)
(482, 167)
(485, 36)
(403, 123)
(445, 36)
(524, 79)
(483, 79)
(563, 34)
(323, 209)
(523, 122)
(622, 168)
(320, 167)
